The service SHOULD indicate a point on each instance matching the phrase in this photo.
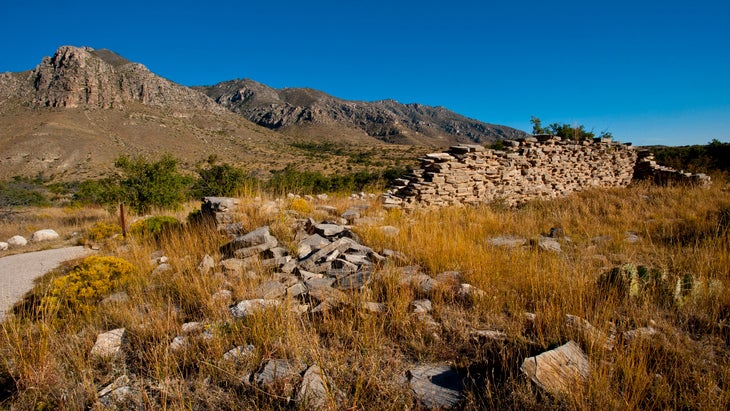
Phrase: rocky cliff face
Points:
(386, 120)
(98, 79)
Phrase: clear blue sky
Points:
(650, 72)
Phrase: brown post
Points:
(121, 216)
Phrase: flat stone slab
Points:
(507, 241)
(329, 230)
(559, 370)
(436, 386)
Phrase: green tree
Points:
(219, 180)
(536, 125)
(152, 184)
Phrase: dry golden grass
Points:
(683, 233)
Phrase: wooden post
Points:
(121, 216)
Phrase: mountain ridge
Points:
(386, 120)
(77, 110)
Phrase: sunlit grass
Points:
(682, 233)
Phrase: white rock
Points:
(44, 235)
(4, 246)
(17, 241)
(108, 344)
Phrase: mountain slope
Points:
(77, 111)
(291, 109)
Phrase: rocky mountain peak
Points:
(101, 79)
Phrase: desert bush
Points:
(154, 227)
(220, 180)
(301, 205)
(86, 284)
(102, 230)
(21, 192)
(152, 184)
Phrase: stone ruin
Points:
(539, 167)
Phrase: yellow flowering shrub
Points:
(102, 231)
(88, 282)
(300, 205)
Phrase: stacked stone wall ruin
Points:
(540, 167)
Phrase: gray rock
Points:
(423, 283)
(436, 386)
(421, 306)
(206, 265)
(276, 370)
(250, 307)
(329, 230)
(178, 343)
(548, 244)
(296, 290)
(108, 344)
(119, 391)
(162, 268)
(351, 215)
(373, 307)
(389, 230)
(312, 393)
(222, 296)
(271, 290)
(490, 335)
(558, 371)
(192, 327)
(256, 237)
(240, 353)
(639, 333)
(507, 241)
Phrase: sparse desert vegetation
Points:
(646, 266)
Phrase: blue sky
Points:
(650, 72)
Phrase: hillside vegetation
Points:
(647, 266)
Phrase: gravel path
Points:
(17, 272)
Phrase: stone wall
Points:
(540, 167)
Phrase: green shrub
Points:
(157, 184)
(21, 192)
(88, 282)
(220, 180)
(154, 227)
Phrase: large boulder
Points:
(17, 241)
(44, 235)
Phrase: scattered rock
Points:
(178, 343)
(351, 215)
(373, 307)
(282, 373)
(421, 306)
(222, 296)
(116, 298)
(44, 235)
(120, 391)
(491, 335)
(271, 290)
(108, 344)
(162, 268)
(250, 307)
(558, 371)
(17, 241)
(631, 237)
(639, 334)
(507, 241)
(329, 230)
(548, 244)
(436, 386)
(593, 335)
(206, 265)
(313, 393)
(389, 230)
(240, 353)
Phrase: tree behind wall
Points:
(152, 184)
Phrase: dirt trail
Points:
(17, 272)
